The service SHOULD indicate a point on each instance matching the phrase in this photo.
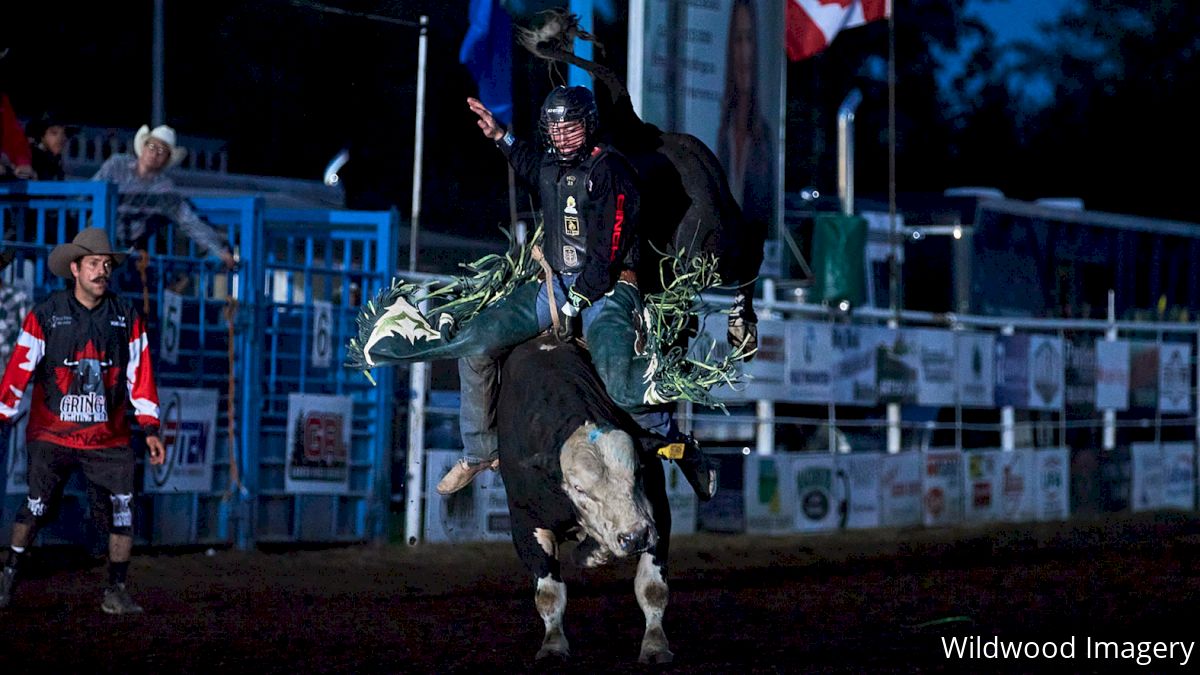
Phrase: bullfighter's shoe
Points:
(118, 601)
(700, 470)
(462, 473)
(8, 582)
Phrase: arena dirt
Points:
(879, 601)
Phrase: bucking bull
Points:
(573, 471)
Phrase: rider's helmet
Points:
(568, 123)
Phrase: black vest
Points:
(567, 212)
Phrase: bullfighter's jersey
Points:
(87, 366)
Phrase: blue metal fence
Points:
(290, 259)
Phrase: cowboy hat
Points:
(91, 241)
(37, 126)
(162, 133)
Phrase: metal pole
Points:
(414, 490)
(157, 113)
(845, 125)
(635, 72)
(1008, 414)
(765, 408)
(1109, 441)
(418, 144)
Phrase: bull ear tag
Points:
(671, 451)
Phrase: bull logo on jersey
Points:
(83, 381)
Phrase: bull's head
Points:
(601, 477)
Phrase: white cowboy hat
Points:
(90, 241)
(162, 133)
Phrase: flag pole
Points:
(894, 262)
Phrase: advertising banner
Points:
(1149, 477)
(189, 431)
(1052, 473)
(1174, 378)
(1080, 374)
(897, 363)
(1012, 370)
(980, 467)
(715, 69)
(976, 370)
(810, 362)
(1045, 372)
(770, 497)
(454, 517)
(936, 366)
(766, 375)
(318, 444)
(1016, 488)
(861, 488)
(1179, 476)
(816, 492)
(942, 486)
(1112, 374)
(855, 363)
(900, 490)
(1143, 375)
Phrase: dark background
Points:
(1108, 116)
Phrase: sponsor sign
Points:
(810, 362)
(900, 490)
(936, 366)
(942, 487)
(454, 517)
(318, 444)
(855, 363)
(1052, 474)
(1112, 374)
(976, 369)
(980, 467)
(769, 496)
(860, 479)
(766, 376)
(188, 420)
(1080, 374)
(1016, 491)
(1174, 378)
(1046, 386)
(1179, 476)
(1149, 476)
(816, 499)
(1012, 370)
(897, 363)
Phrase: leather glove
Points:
(568, 326)
(446, 326)
(743, 326)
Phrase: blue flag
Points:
(487, 52)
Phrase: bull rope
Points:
(549, 274)
(235, 480)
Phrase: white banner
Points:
(980, 469)
(936, 366)
(942, 486)
(900, 490)
(172, 318)
(1112, 374)
(1174, 378)
(767, 373)
(1149, 477)
(322, 334)
(770, 499)
(1016, 488)
(318, 444)
(810, 362)
(816, 493)
(1046, 363)
(976, 370)
(189, 431)
(454, 517)
(861, 488)
(854, 363)
(1053, 474)
(1179, 476)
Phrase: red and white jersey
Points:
(87, 366)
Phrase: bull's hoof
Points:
(556, 652)
(658, 656)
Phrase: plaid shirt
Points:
(14, 305)
(143, 196)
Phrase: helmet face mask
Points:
(568, 123)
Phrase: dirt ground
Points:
(880, 601)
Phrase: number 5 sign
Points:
(322, 334)
(172, 314)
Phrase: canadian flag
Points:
(812, 24)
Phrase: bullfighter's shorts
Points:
(109, 470)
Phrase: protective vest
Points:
(569, 214)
